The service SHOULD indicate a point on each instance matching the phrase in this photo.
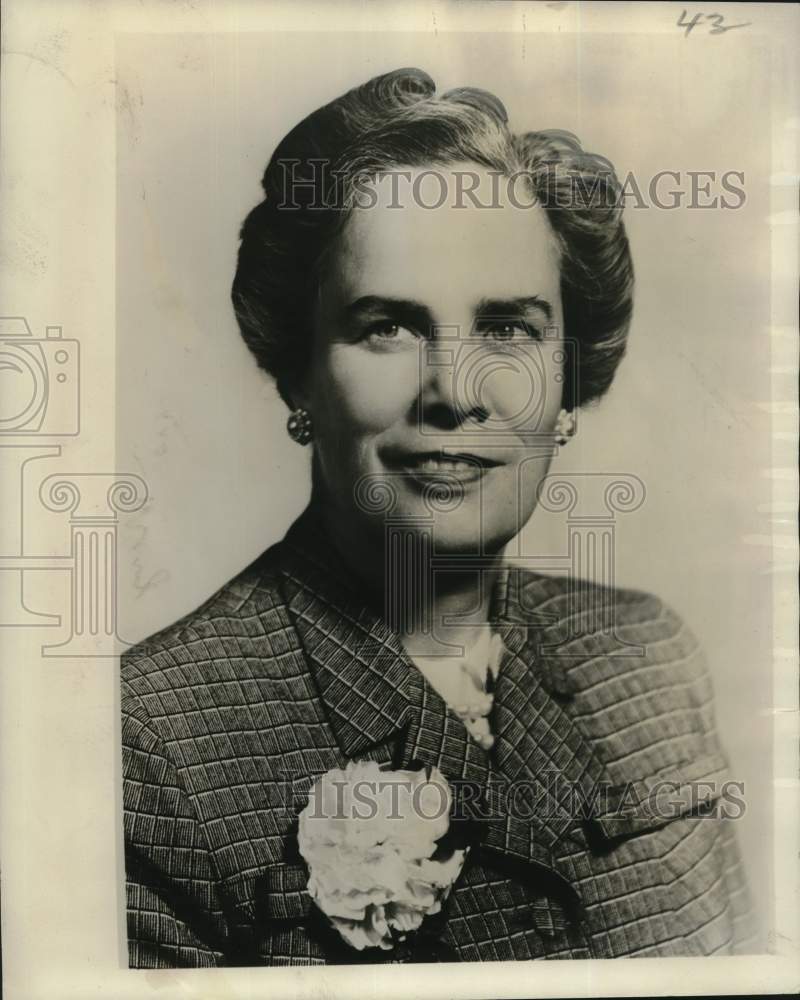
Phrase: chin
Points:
(469, 524)
(462, 533)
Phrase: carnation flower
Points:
(369, 838)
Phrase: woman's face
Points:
(437, 362)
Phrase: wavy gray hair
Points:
(396, 120)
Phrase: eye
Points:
(385, 333)
(505, 330)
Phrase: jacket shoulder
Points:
(556, 600)
(245, 617)
(635, 678)
(587, 631)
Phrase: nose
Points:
(442, 404)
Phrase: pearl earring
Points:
(565, 427)
(299, 426)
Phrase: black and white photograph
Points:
(399, 449)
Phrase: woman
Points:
(435, 296)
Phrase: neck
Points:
(433, 613)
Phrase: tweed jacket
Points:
(229, 714)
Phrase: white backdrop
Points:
(200, 116)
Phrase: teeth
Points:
(444, 465)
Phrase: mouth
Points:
(425, 466)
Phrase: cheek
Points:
(524, 388)
(369, 392)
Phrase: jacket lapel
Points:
(537, 740)
(357, 662)
(527, 792)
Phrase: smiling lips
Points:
(426, 466)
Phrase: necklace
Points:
(466, 683)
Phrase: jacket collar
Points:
(374, 696)
(358, 663)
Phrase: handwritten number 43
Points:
(718, 23)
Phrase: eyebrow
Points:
(406, 310)
(506, 308)
(415, 312)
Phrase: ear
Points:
(293, 392)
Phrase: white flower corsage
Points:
(370, 840)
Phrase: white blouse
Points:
(465, 682)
